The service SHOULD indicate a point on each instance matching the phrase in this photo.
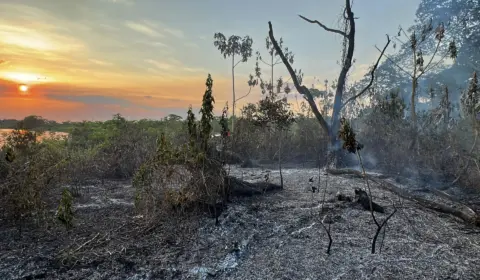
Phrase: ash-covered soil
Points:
(275, 236)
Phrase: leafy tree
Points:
(192, 126)
(270, 85)
(207, 114)
(232, 47)
(471, 100)
(273, 109)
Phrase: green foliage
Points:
(182, 176)
(392, 106)
(234, 46)
(65, 209)
(207, 114)
(192, 126)
(471, 99)
(30, 177)
(347, 136)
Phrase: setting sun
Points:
(23, 88)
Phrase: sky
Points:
(90, 59)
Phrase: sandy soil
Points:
(275, 236)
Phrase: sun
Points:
(23, 88)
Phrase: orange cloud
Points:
(63, 101)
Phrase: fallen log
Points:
(243, 188)
(461, 211)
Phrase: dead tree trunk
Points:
(338, 105)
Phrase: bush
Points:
(27, 180)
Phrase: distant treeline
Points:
(39, 123)
(36, 123)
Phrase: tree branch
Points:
(300, 88)
(266, 63)
(431, 59)
(237, 63)
(394, 63)
(372, 73)
(324, 27)
(249, 90)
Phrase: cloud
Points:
(160, 65)
(192, 45)
(124, 2)
(90, 99)
(31, 39)
(194, 70)
(175, 32)
(159, 44)
(100, 62)
(144, 28)
(88, 63)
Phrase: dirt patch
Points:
(274, 236)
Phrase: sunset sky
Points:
(89, 59)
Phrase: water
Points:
(48, 134)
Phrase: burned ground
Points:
(273, 236)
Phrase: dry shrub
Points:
(28, 180)
(178, 179)
(183, 177)
(443, 152)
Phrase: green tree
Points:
(207, 114)
(471, 100)
(232, 47)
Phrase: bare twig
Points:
(85, 244)
(324, 27)
(249, 90)
(379, 228)
(372, 73)
(394, 63)
(330, 240)
(425, 69)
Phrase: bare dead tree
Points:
(347, 63)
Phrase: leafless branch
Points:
(398, 39)
(394, 63)
(266, 63)
(249, 90)
(238, 62)
(379, 228)
(425, 69)
(372, 73)
(300, 88)
(324, 27)
(330, 240)
(438, 62)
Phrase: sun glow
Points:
(23, 88)
(24, 77)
